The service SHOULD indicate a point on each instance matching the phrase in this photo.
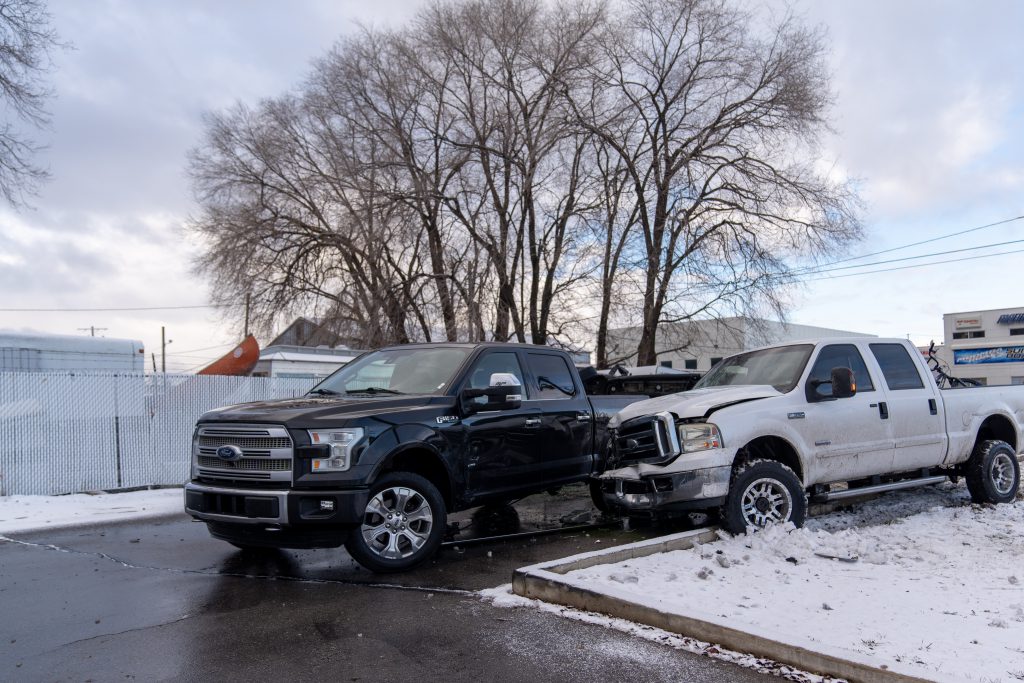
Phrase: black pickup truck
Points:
(377, 454)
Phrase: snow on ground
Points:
(939, 593)
(33, 513)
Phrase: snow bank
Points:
(20, 514)
(941, 592)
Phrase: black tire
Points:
(774, 494)
(393, 544)
(993, 473)
(596, 497)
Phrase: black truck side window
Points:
(897, 366)
(490, 363)
(840, 356)
(552, 375)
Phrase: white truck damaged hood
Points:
(694, 403)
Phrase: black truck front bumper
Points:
(298, 518)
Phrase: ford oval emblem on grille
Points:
(229, 453)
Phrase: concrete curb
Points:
(547, 582)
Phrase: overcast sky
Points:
(929, 118)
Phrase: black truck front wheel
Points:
(763, 492)
(993, 473)
(402, 526)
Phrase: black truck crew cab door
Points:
(502, 446)
(566, 449)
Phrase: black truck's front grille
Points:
(244, 441)
(261, 464)
(266, 453)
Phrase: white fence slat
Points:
(64, 432)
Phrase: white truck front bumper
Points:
(692, 481)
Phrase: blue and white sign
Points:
(1000, 354)
(1011, 318)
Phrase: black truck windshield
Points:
(396, 372)
(780, 367)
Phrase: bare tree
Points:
(715, 119)
(26, 44)
(514, 169)
(509, 64)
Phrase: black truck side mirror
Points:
(505, 393)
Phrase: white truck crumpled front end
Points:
(673, 466)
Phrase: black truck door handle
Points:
(582, 417)
(533, 422)
(932, 408)
(883, 410)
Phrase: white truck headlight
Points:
(699, 436)
(341, 441)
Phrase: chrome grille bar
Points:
(267, 452)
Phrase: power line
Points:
(918, 265)
(208, 348)
(105, 310)
(927, 241)
(911, 258)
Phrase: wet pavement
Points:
(161, 600)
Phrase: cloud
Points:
(928, 107)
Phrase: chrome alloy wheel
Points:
(766, 500)
(397, 523)
(1001, 473)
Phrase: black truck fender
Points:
(417, 449)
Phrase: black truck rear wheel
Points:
(402, 526)
(993, 473)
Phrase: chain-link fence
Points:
(69, 432)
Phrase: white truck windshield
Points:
(780, 367)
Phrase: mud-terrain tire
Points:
(993, 473)
(763, 492)
(402, 526)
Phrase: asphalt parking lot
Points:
(161, 600)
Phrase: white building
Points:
(987, 346)
(311, 362)
(28, 352)
(699, 344)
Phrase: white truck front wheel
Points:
(763, 492)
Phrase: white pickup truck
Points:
(766, 429)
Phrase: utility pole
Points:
(92, 330)
(153, 356)
(164, 341)
(247, 297)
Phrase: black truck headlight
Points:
(341, 443)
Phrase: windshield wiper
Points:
(374, 390)
(324, 392)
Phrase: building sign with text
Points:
(966, 323)
(1011, 318)
(1001, 354)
